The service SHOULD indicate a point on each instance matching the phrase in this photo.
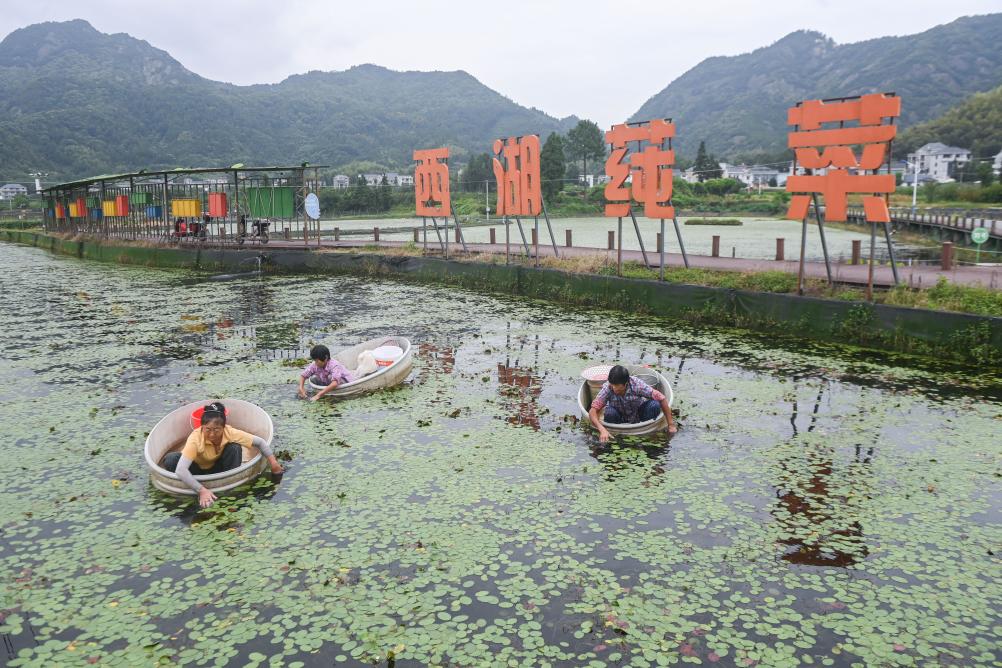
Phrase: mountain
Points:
(975, 123)
(77, 102)
(738, 104)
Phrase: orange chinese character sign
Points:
(431, 183)
(516, 170)
(832, 149)
(650, 169)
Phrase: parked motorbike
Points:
(259, 231)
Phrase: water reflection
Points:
(519, 389)
(813, 414)
(437, 359)
(814, 509)
(519, 386)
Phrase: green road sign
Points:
(979, 235)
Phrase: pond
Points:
(820, 505)
(754, 239)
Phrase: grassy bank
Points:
(944, 296)
(761, 302)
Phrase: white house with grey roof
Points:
(12, 190)
(939, 161)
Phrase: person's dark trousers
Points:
(316, 380)
(231, 458)
(648, 411)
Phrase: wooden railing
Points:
(952, 219)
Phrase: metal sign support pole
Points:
(887, 199)
(507, 242)
(890, 252)
(459, 231)
(824, 242)
(434, 223)
(640, 239)
(445, 221)
(873, 248)
(518, 221)
(803, 249)
(535, 249)
(664, 242)
(549, 227)
(681, 244)
(619, 248)
(424, 232)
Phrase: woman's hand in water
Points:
(205, 497)
(302, 393)
(603, 436)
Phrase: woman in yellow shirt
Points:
(213, 448)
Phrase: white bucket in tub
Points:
(596, 376)
(387, 355)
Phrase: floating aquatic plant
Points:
(820, 506)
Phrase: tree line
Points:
(560, 156)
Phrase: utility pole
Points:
(487, 200)
(914, 166)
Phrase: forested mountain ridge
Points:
(975, 124)
(738, 104)
(75, 102)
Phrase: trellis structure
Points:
(204, 205)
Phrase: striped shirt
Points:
(636, 395)
(329, 372)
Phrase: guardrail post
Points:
(375, 234)
(417, 235)
(715, 249)
(337, 234)
(780, 249)
(661, 243)
(494, 239)
(568, 239)
(612, 240)
(946, 259)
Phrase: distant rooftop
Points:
(936, 148)
(180, 171)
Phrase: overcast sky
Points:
(600, 60)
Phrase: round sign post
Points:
(312, 206)
(979, 235)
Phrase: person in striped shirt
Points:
(626, 399)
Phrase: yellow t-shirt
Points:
(203, 453)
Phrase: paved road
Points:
(917, 275)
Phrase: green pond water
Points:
(754, 239)
(819, 506)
